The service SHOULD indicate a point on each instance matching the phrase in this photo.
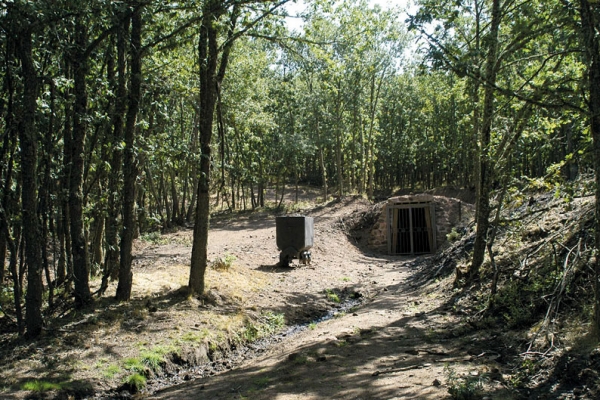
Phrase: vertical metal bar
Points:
(433, 229)
(410, 224)
(389, 229)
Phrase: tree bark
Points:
(210, 82)
(28, 144)
(591, 43)
(130, 168)
(485, 164)
(81, 262)
(111, 257)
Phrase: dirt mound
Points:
(465, 195)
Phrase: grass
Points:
(155, 238)
(463, 388)
(267, 325)
(136, 381)
(111, 371)
(195, 337)
(262, 382)
(224, 262)
(40, 386)
(134, 364)
(332, 296)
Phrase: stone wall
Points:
(449, 213)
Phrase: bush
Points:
(224, 262)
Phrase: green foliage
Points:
(524, 372)
(195, 337)
(332, 296)
(135, 381)
(134, 364)
(111, 371)
(267, 325)
(262, 382)
(223, 263)
(463, 387)
(155, 238)
(453, 236)
(40, 386)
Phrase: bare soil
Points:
(401, 334)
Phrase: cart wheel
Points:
(305, 257)
(284, 261)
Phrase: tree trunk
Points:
(485, 163)
(31, 228)
(210, 82)
(130, 169)
(589, 24)
(81, 262)
(111, 260)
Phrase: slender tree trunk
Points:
(81, 262)
(130, 169)
(485, 163)
(210, 82)
(7, 150)
(590, 21)
(111, 260)
(31, 230)
(45, 205)
(65, 263)
(208, 53)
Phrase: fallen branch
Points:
(393, 370)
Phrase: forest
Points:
(122, 118)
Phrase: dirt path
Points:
(398, 345)
(401, 342)
(380, 351)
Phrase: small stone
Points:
(436, 382)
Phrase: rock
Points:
(436, 383)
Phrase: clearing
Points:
(354, 325)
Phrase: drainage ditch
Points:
(228, 359)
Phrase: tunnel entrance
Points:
(411, 228)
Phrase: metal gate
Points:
(411, 229)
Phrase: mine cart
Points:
(294, 239)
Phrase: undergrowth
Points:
(536, 286)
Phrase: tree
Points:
(590, 24)
(213, 65)
(210, 81)
(130, 171)
(28, 142)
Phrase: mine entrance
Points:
(411, 229)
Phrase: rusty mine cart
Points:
(294, 239)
